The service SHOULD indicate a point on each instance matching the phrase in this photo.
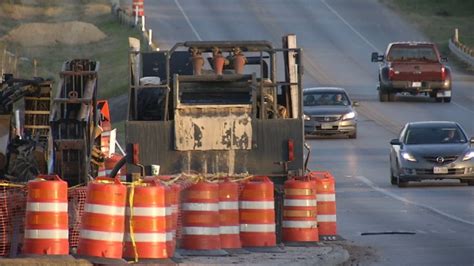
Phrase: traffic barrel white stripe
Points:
(147, 237)
(104, 209)
(227, 230)
(257, 228)
(101, 235)
(257, 205)
(198, 230)
(228, 205)
(200, 207)
(148, 211)
(46, 234)
(46, 206)
(326, 197)
(299, 224)
(299, 202)
(326, 218)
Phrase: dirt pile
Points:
(45, 34)
(61, 11)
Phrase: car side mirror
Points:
(444, 59)
(395, 142)
(376, 57)
(355, 103)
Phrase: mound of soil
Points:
(26, 12)
(45, 34)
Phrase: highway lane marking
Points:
(404, 200)
(188, 20)
(350, 26)
(462, 107)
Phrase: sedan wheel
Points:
(402, 183)
(393, 179)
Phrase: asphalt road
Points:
(426, 223)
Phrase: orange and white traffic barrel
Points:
(103, 220)
(257, 213)
(138, 6)
(46, 223)
(146, 221)
(105, 142)
(176, 190)
(229, 215)
(200, 209)
(326, 197)
(299, 211)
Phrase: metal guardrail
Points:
(462, 51)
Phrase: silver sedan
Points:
(431, 150)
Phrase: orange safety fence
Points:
(12, 217)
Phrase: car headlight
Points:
(348, 116)
(407, 156)
(306, 117)
(468, 156)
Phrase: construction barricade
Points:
(46, 223)
(200, 210)
(300, 211)
(147, 222)
(102, 227)
(257, 214)
(326, 198)
(229, 228)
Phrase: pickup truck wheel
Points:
(447, 99)
(391, 97)
(439, 99)
(470, 182)
(383, 95)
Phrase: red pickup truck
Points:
(413, 68)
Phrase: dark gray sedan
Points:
(432, 150)
(328, 111)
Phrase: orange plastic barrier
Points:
(148, 217)
(109, 165)
(138, 5)
(326, 197)
(257, 214)
(102, 227)
(46, 224)
(229, 215)
(175, 193)
(200, 209)
(300, 211)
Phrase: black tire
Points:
(470, 182)
(439, 99)
(393, 179)
(383, 96)
(447, 99)
(401, 182)
(353, 135)
(391, 96)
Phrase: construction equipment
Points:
(243, 116)
(24, 127)
(74, 119)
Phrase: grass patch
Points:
(112, 52)
(438, 18)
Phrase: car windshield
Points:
(434, 135)
(412, 53)
(325, 98)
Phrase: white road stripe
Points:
(350, 26)
(188, 20)
(402, 199)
